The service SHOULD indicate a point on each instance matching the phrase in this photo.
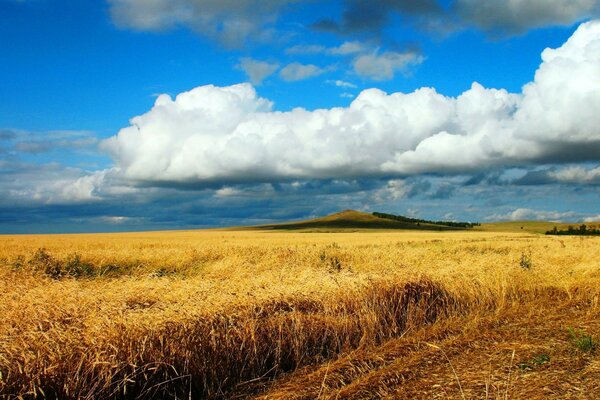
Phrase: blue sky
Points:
(130, 114)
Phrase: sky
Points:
(124, 115)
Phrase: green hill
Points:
(351, 220)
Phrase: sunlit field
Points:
(243, 314)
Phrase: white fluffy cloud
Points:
(229, 134)
(521, 15)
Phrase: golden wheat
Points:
(210, 313)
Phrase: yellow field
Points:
(227, 314)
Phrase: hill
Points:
(351, 220)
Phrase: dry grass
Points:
(221, 314)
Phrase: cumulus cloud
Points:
(516, 16)
(384, 66)
(230, 134)
(257, 70)
(297, 71)
(231, 22)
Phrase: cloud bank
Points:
(236, 22)
(230, 134)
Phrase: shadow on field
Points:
(214, 357)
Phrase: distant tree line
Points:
(581, 230)
(453, 224)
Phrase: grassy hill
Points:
(350, 220)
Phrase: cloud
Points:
(527, 214)
(47, 184)
(234, 23)
(384, 66)
(7, 134)
(498, 17)
(370, 17)
(576, 174)
(41, 146)
(27, 184)
(534, 177)
(297, 72)
(257, 70)
(18, 141)
(517, 16)
(345, 49)
(571, 175)
(366, 61)
(115, 219)
(231, 22)
(306, 49)
(230, 135)
(443, 191)
(342, 84)
(228, 191)
(397, 189)
(594, 218)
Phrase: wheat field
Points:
(299, 315)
